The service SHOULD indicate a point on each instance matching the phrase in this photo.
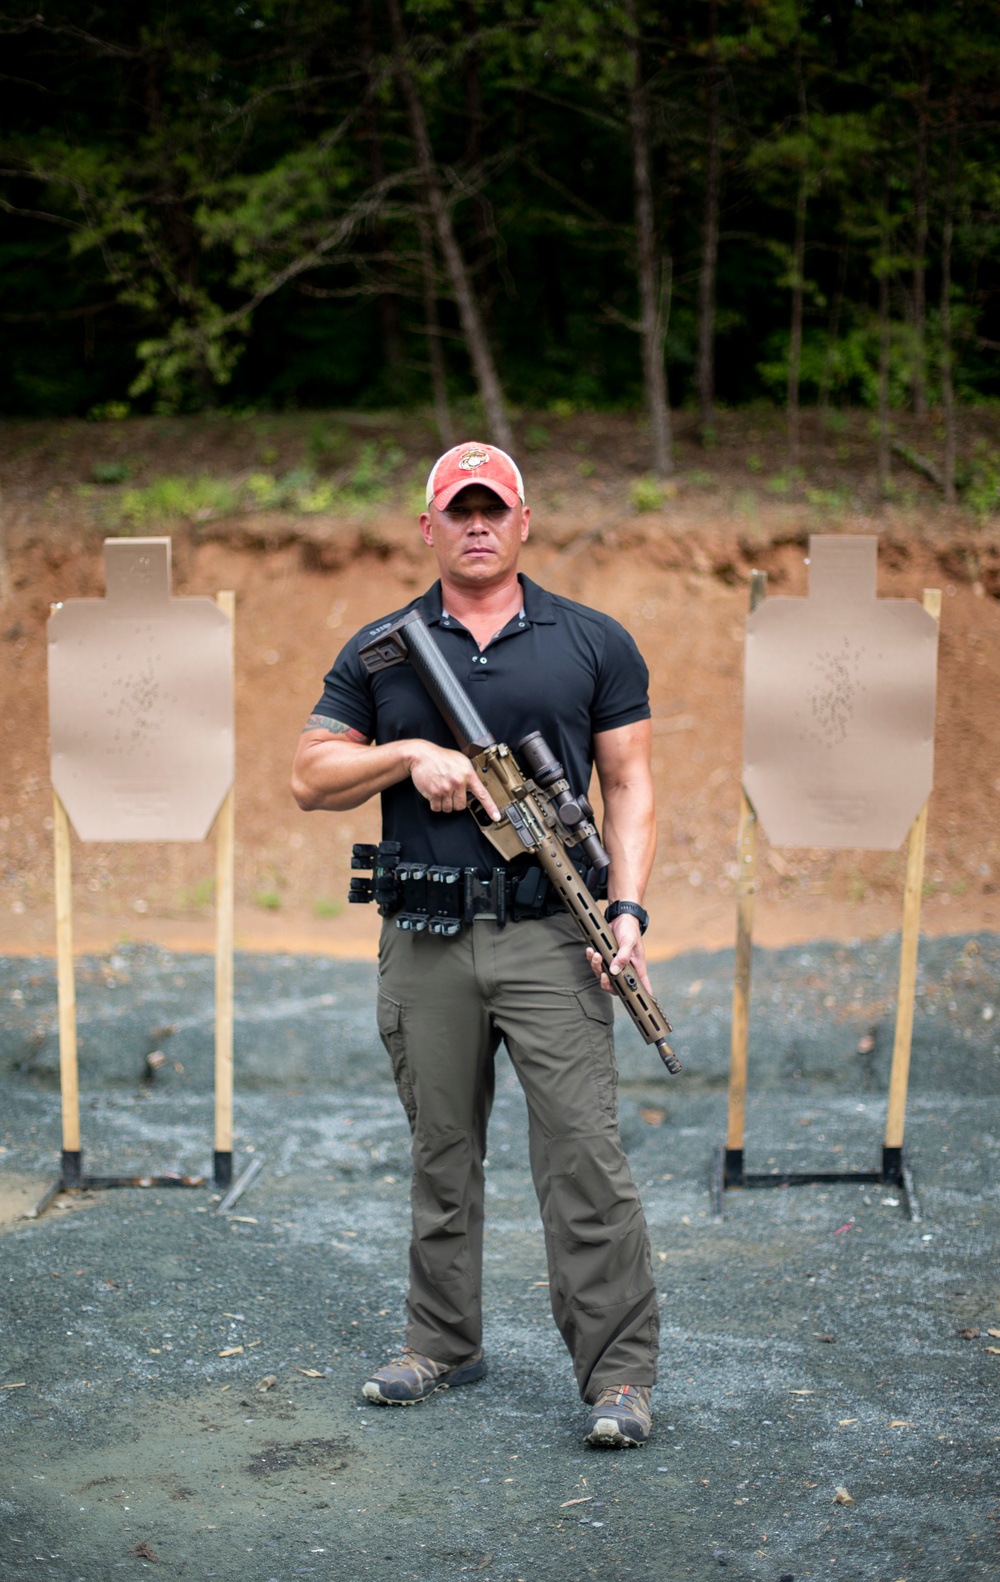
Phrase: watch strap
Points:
(629, 909)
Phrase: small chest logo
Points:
(471, 459)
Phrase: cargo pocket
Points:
(599, 1015)
(389, 1015)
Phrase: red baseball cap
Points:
(474, 463)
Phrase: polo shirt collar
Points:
(430, 606)
(539, 606)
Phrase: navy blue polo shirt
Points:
(558, 667)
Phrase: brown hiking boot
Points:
(413, 1377)
(620, 1417)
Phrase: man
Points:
(531, 661)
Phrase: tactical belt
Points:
(429, 896)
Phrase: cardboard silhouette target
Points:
(840, 695)
(839, 706)
(141, 703)
(142, 748)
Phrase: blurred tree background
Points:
(552, 203)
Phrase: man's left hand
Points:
(630, 952)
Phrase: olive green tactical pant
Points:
(444, 1005)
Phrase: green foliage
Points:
(269, 900)
(325, 907)
(328, 445)
(109, 472)
(647, 494)
(829, 500)
(208, 201)
(198, 898)
(536, 437)
(109, 412)
(178, 498)
(980, 482)
(369, 479)
(372, 477)
(847, 367)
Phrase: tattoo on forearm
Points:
(322, 722)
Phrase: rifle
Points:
(540, 815)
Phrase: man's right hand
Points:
(446, 779)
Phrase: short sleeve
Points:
(347, 694)
(622, 693)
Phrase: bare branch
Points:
(36, 214)
(38, 24)
(615, 316)
(922, 464)
(317, 255)
(593, 214)
(44, 317)
(25, 82)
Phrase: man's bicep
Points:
(332, 727)
(624, 753)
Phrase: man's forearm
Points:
(334, 775)
(624, 768)
(630, 837)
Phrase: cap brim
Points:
(444, 497)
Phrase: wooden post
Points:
(899, 1076)
(225, 850)
(746, 856)
(746, 882)
(68, 1069)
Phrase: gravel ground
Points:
(819, 1413)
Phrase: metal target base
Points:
(73, 1179)
(729, 1174)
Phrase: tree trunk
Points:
(390, 319)
(432, 325)
(884, 454)
(709, 241)
(476, 340)
(798, 282)
(947, 351)
(175, 231)
(832, 334)
(472, 80)
(649, 275)
(795, 334)
(920, 260)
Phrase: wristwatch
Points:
(629, 908)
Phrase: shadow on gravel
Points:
(182, 1390)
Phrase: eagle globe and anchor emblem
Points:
(472, 459)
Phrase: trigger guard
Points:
(479, 813)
